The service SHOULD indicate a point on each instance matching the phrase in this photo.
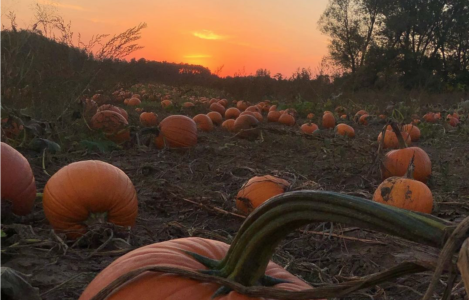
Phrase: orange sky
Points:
(278, 35)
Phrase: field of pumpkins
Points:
(332, 198)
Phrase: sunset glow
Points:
(241, 36)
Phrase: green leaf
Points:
(39, 144)
(2, 233)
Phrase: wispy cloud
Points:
(62, 5)
(197, 56)
(209, 35)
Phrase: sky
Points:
(240, 35)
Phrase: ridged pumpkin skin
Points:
(203, 122)
(413, 131)
(345, 130)
(405, 193)
(258, 190)
(216, 117)
(328, 120)
(177, 131)
(218, 108)
(158, 286)
(18, 184)
(86, 187)
(148, 119)
(287, 119)
(309, 128)
(232, 113)
(396, 162)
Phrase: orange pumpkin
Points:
(396, 162)
(413, 131)
(258, 116)
(164, 286)
(253, 109)
(273, 116)
(364, 119)
(345, 130)
(148, 119)
(257, 190)
(287, 119)
(273, 108)
(328, 120)
(232, 113)
(359, 114)
(111, 107)
(188, 104)
(134, 101)
(166, 103)
(216, 117)
(81, 192)
(245, 126)
(213, 100)
(177, 131)
(405, 193)
(113, 124)
(242, 105)
(429, 117)
(136, 96)
(228, 125)
(309, 128)
(223, 102)
(18, 183)
(391, 141)
(343, 117)
(453, 121)
(203, 122)
(218, 108)
(310, 116)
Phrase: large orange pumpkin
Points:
(83, 191)
(232, 113)
(111, 107)
(203, 122)
(345, 130)
(287, 119)
(309, 128)
(177, 131)
(148, 119)
(396, 163)
(113, 124)
(218, 108)
(405, 193)
(257, 190)
(18, 184)
(216, 117)
(158, 286)
(245, 127)
(328, 120)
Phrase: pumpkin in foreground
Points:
(157, 286)
(18, 183)
(88, 191)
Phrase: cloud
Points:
(197, 56)
(57, 4)
(209, 35)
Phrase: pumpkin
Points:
(228, 125)
(216, 117)
(188, 104)
(148, 119)
(136, 96)
(382, 117)
(232, 113)
(177, 131)
(12, 127)
(273, 108)
(343, 117)
(328, 120)
(391, 140)
(253, 109)
(273, 116)
(453, 121)
(111, 107)
(287, 119)
(203, 122)
(257, 190)
(159, 286)
(18, 183)
(309, 128)
(396, 162)
(85, 191)
(242, 105)
(359, 114)
(413, 131)
(258, 116)
(429, 117)
(310, 116)
(405, 193)
(345, 130)
(166, 103)
(223, 102)
(218, 108)
(245, 127)
(438, 116)
(134, 102)
(363, 120)
(213, 100)
(113, 124)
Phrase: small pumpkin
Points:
(287, 119)
(405, 193)
(359, 114)
(149, 119)
(188, 104)
(309, 128)
(328, 120)
(363, 120)
(345, 130)
(228, 125)
(166, 103)
(134, 101)
(253, 108)
(177, 131)
(218, 108)
(273, 116)
(216, 117)
(81, 192)
(273, 108)
(310, 116)
(430, 117)
(242, 105)
(203, 122)
(257, 190)
(18, 183)
(223, 102)
(232, 113)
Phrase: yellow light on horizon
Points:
(208, 35)
(197, 56)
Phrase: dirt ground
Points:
(192, 193)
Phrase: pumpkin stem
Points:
(397, 131)
(255, 243)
